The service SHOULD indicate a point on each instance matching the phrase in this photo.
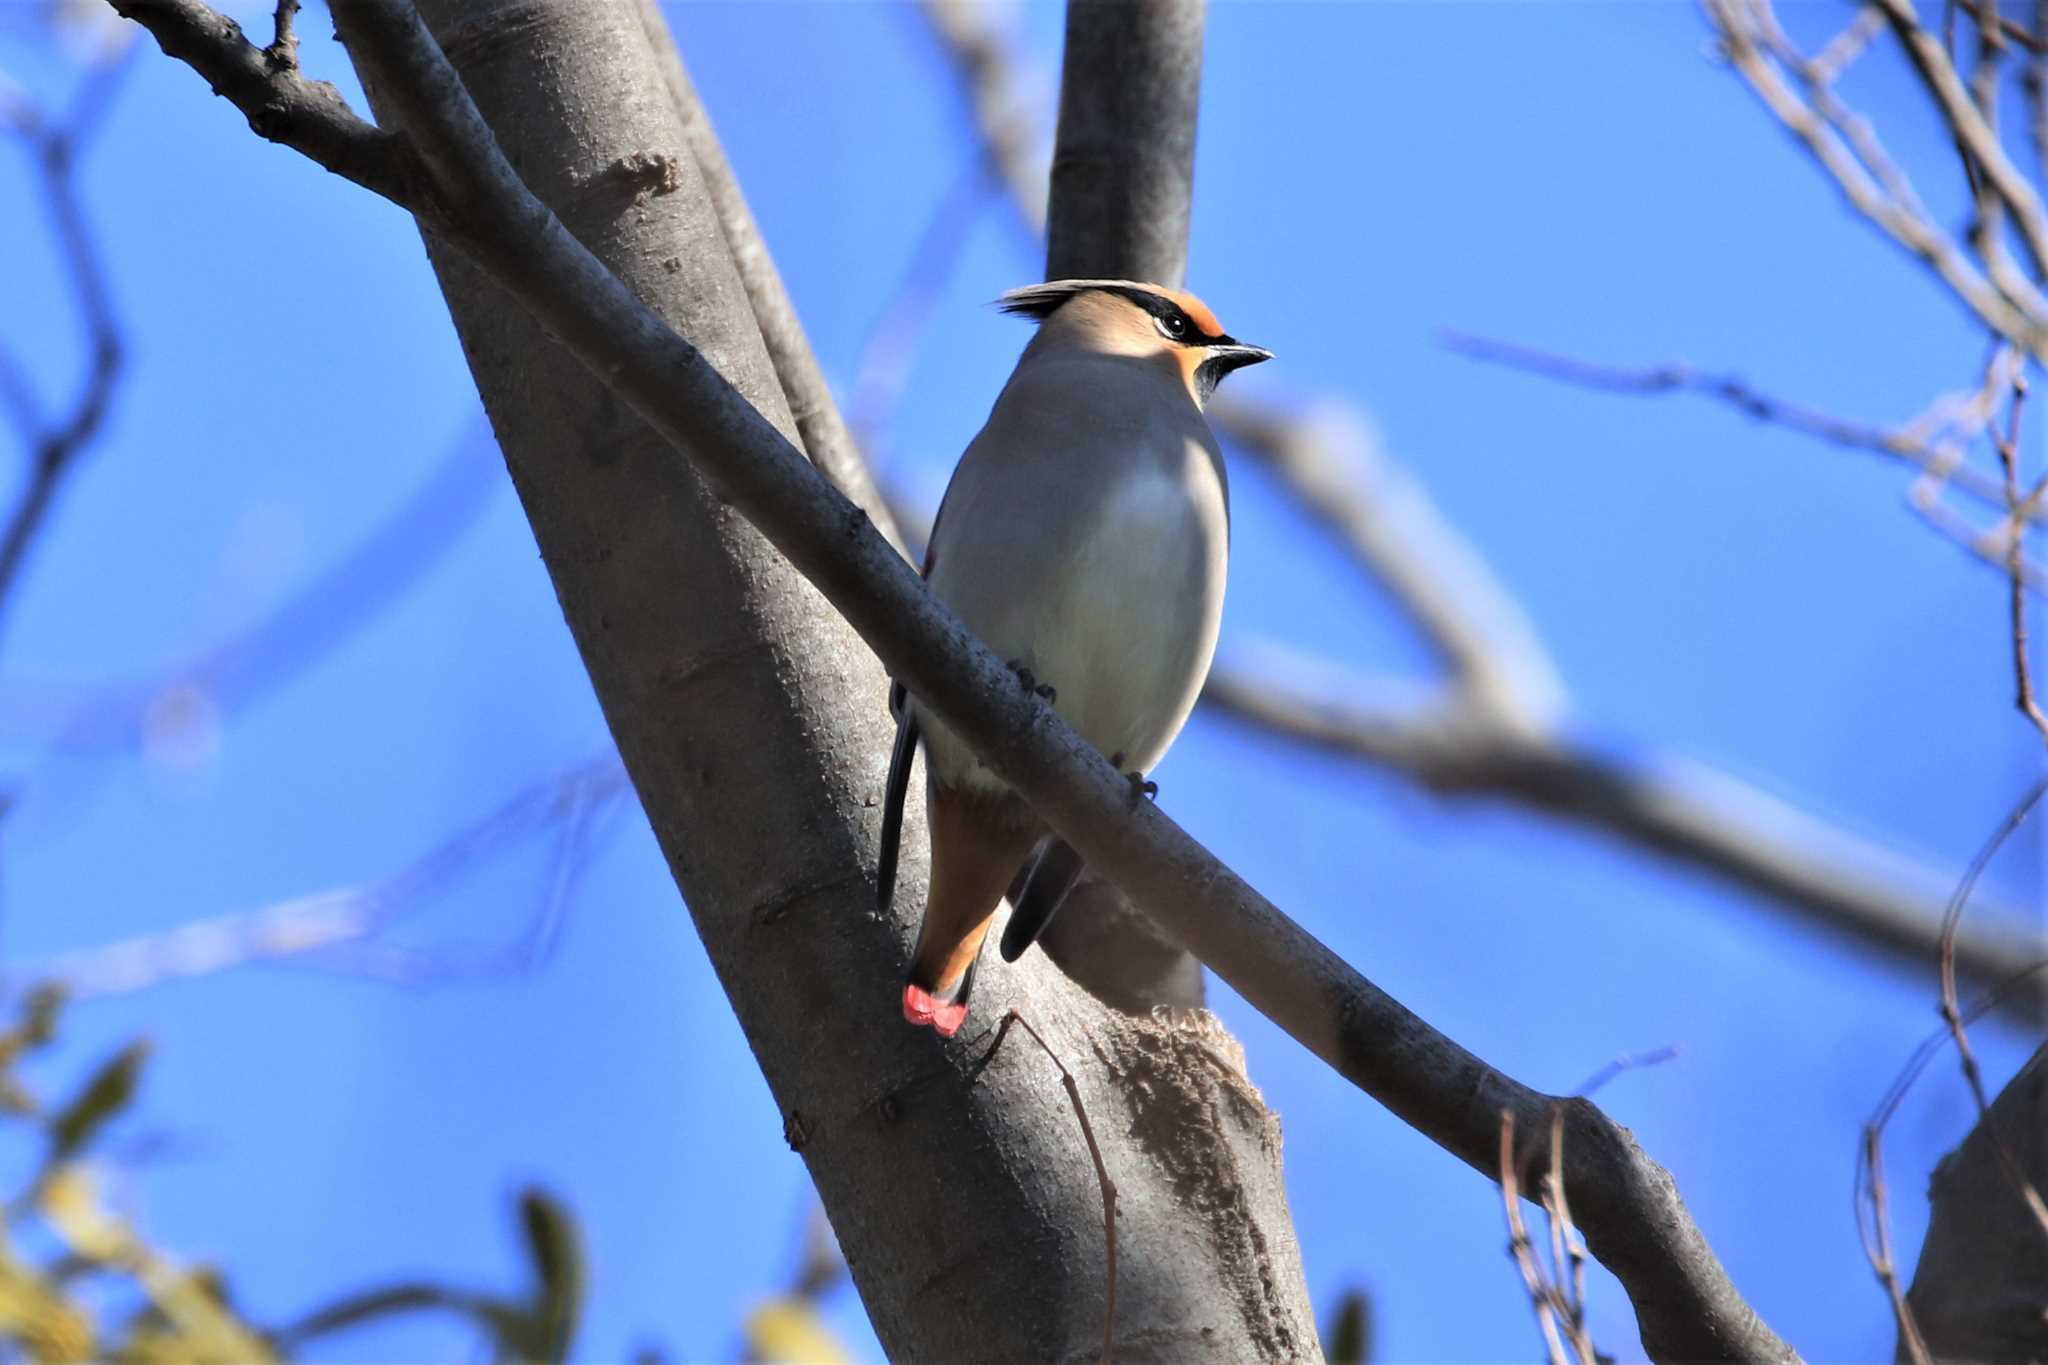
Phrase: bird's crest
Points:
(1043, 300)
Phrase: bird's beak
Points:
(1236, 356)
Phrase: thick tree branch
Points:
(1626, 1205)
(825, 435)
(1123, 164)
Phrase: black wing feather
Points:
(892, 795)
(1045, 891)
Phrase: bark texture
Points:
(752, 721)
(1123, 164)
(1980, 1291)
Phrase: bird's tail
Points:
(976, 846)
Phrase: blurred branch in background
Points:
(1495, 724)
(55, 441)
(1800, 92)
(178, 717)
(1937, 441)
(344, 929)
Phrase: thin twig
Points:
(1978, 138)
(2016, 557)
(1928, 442)
(1565, 1242)
(336, 928)
(1878, 1249)
(1826, 136)
(1519, 1248)
(1951, 1012)
(1871, 1204)
(1627, 1061)
(57, 446)
(1094, 1154)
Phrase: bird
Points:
(1084, 537)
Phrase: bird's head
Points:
(1125, 317)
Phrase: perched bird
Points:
(1084, 537)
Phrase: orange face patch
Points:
(1197, 311)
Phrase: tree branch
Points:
(1626, 1205)
(1840, 143)
(1123, 163)
(1649, 800)
(55, 447)
(826, 438)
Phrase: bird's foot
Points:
(1030, 683)
(1141, 788)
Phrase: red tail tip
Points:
(920, 1009)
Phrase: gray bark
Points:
(1123, 164)
(1980, 1291)
(826, 438)
(752, 721)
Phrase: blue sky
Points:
(1578, 176)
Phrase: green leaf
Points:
(109, 1091)
(1348, 1338)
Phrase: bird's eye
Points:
(1174, 326)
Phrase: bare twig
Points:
(1873, 1218)
(1565, 1247)
(1627, 1061)
(1094, 1154)
(2034, 82)
(2012, 29)
(336, 928)
(1951, 1010)
(1519, 1247)
(1932, 442)
(56, 446)
(1629, 1209)
(1877, 1246)
(1970, 127)
(1826, 130)
(2015, 567)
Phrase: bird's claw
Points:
(1141, 789)
(1027, 680)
